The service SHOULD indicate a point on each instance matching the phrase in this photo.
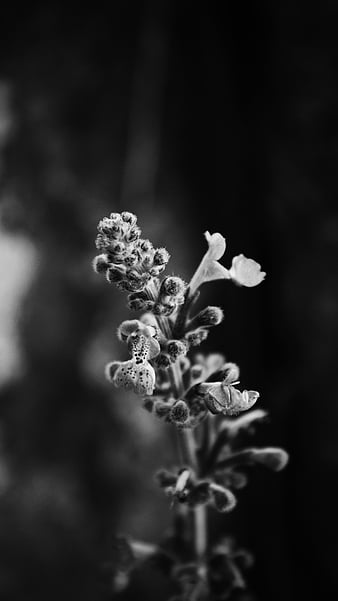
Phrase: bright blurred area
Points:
(195, 118)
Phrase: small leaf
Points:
(224, 499)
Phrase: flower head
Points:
(127, 260)
(245, 272)
(222, 398)
(137, 373)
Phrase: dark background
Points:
(196, 120)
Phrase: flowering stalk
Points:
(198, 394)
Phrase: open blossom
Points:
(245, 272)
(137, 373)
(222, 398)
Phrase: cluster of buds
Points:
(126, 259)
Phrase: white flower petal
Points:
(216, 244)
(246, 272)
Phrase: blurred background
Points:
(196, 116)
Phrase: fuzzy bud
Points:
(162, 360)
(179, 413)
(164, 308)
(210, 316)
(115, 273)
(176, 348)
(272, 457)
(101, 263)
(129, 218)
(146, 246)
(196, 337)
(131, 260)
(172, 286)
(136, 304)
(133, 235)
(161, 256)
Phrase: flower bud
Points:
(145, 246)
(133, 235)
(101, 263)
(135, 281)
(196, 337)
(176, 348)
(115, 273)
(131, 260)
(172, 286)
(162, 360)
(156, 270)
(161, 256)
(164, 308)
(136, 304)
(179, 412)
(129, 217)
(272, 457)
(110, 228)
(210, 316)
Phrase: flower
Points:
(138, 377)
(246, 272)
(221, 398)
(209, 269)
(137, 373)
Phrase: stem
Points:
(188, 451)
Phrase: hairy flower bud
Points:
(179, 412)
(115, 273)
(196, 337)
(162, 360)
(176, 348)
(210, 316)
(172, 286)
(129, 217)
(161, 256)
(101, 263)
(136, 304)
